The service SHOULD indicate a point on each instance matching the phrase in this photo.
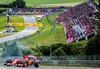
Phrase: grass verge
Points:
(17, 19)
(44, 37)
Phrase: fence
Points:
(76, 57)
(72, 62)
(64, 60)
(72, 57)
(43, 33)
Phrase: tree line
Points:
(90, 47)
(16, 3)
(22, 4)
(2, 10)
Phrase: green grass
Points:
(56, 36)
(46, 25)
(45, 39)
(2, 25)
(59, 35)
(4, 35)
(38, 2)
(2, 22)
(13, 19)
(17, 19)
(40, 39)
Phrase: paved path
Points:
(27, 31)
(46, 67)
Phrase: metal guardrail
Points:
(60, 62)
(73, 62)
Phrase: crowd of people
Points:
(77, 22)
(40, 10)
(74, 12)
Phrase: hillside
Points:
(38, 2)
(53, 36)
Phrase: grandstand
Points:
(36, 10)
(77, 21)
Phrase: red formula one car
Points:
(23, 62)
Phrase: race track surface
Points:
(27, 31)
(46, 67)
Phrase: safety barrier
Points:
(72, 62)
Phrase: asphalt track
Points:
(46, 67)
(27, 31)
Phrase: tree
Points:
(59, 52)
(19, 4)
(77, 49)
(99, 3)
(36, 51)
(26, 51)
(67, 49)
(93, 45)
(56, 46)
(45, 50)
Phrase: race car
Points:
(23, 62)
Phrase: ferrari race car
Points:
(23, 62)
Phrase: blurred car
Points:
(8, 30)
(22, 62)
